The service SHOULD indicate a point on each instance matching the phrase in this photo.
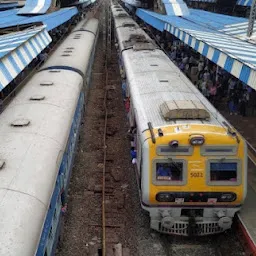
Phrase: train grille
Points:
(200, 229)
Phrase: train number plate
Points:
(196, 175)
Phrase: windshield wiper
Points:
(175, 164)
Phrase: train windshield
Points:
(172, 171)
(223, 172)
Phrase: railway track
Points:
(113, 192)
(98, 218)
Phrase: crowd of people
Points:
(217, 85)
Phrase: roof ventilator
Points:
(2, 163)
(65, 55)
(122, 15)
(139, 42)
(183, 109)
(46, 83)
(119, 9)
(20, 122)
(68, 51)
(128, 25)
(70, 48)
(37, 97)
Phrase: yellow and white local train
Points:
(191, 164)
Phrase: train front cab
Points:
(193, 178)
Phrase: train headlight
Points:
(197, 140)
(164, 197)
(228, 197)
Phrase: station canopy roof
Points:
(244, 2)
(205, 33)
(8, 5)
(18, 49)
(35, 7)
(52, 20)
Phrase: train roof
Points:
(78, 43)
(125, 22)
(158, 89)
(34, 130)
(154, 81)
(119, 12)
(136, 38)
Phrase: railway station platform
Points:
(233, 54)
(246, 126)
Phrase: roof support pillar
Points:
(251, 19)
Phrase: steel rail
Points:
(107, 41)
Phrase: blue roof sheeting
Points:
(35, 7)
(18, 49)
(5, 6)
(244, 2)
(52, 20)
(234, 55)
(177, 7)
(235, 26)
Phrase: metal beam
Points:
(251, 19)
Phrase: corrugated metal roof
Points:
(13, 40)
(18, 49)
(175, 7)
(35, 7)
(52, 20)
(244, 2)
(5, 6)
(235, 26)
(236, 56)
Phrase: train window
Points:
(55, 214)
(224, 172)
(168, 172)
(180, 150)
(51, 234)
(218, 150)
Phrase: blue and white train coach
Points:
(38, 133)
